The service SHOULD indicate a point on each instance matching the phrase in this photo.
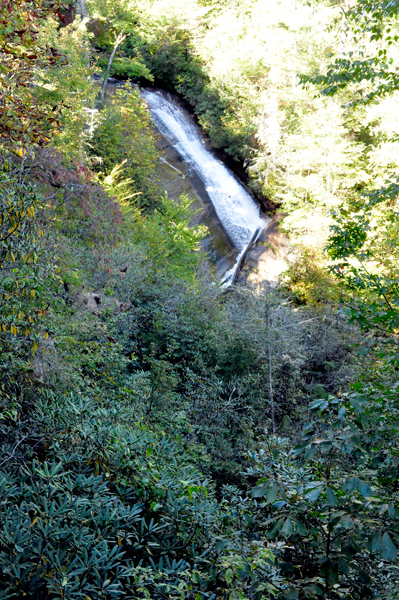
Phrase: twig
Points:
(13, 452)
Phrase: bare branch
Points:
(13, 452)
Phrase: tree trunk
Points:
(269, 368)
(119, 39)
(81, 8)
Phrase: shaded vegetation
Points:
(161, 438)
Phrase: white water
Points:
(235, 208)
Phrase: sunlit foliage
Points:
(161, 437)
(25, 118)
(125, 136)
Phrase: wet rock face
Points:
(230, 206)
(177, 179)
(267, 260)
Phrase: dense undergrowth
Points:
(161, 438)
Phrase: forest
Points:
(164, 435)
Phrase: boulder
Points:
(268, 258)
(98, 302)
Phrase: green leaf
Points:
(318, 405)
(325, 446)
(274, 531)
(388, 549)
(312, 591)
(347, 521)
(292, 594)
(288, 528)
(300, 527)
(310, 453)
(220, 545)
(342, 566)
(375, 541)
(351, 484)
(268, 489)
(313, 494)
(365, 577)
(332, 499)
(229, 576)
(308, 427)
(272, 493)
(260, 490)
(364, 488)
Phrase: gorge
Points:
(234, 207)
(199, 401)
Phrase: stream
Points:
(236, 211)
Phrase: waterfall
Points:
(236, 210)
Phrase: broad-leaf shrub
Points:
(104, 508)
(364, 251)
(25, 119)
(329, 511)
(27, 279)
(75, 205)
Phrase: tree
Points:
(125, 136)
(26, 280)
(71, 86)
(374, 21)
(81, 8)
(119, 18)
(363, 242)
(25, 119)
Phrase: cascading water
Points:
(235, 208)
